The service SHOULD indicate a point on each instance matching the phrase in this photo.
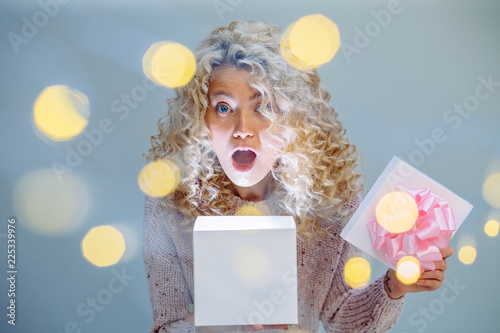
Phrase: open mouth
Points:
(243, 160)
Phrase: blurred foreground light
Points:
(467, 254)
(491, 228)
(397, 212)
(251, 263)
(49, 205)
(408, 270)
(357, 272)
(248, 210)
(131, 240)
(103, 246)
(169, 64)
(159, 178)
(61, 113)
(491, 190)
(310, 42)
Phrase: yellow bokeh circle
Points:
(169, 64)
(467, 254)
(357, 272)
(408, 270)
(159, 178)
(491, 190)
(397, 212)
(251, 263)
(60, 112)
(103, 246)
(491, 228)
(310, 42)
(48, 204)
(248, 210)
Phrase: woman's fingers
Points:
(447, 252)
(275, 327)
(189, 316)
(259, 327)
(432, 280)
(416, 288)
(249, 328)
(429, 284)
(435, 274)
(441, 265)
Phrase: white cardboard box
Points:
(245, 270)
(397, 172)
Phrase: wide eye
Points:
(222, 108)
(259, 107)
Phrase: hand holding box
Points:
(406, 213)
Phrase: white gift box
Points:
(397, 173)
(245, 270)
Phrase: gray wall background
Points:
(393, 92)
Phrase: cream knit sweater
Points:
(322, 293)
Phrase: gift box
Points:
(245, 270)
(406, 213)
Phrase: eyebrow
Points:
(223, 93)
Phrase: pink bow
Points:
(432, 231)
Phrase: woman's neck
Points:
(257, 192)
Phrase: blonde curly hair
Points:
(315, 169)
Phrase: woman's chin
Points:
(243, 181)
(247, 179)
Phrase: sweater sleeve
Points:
(168, 290)
(369, 309)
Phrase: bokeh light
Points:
(467, 254)
(491, 228)
(408, 270)
(251, 263)
(103, 246)
(397, 212)
(491, 190)
(61, 113)
(131, 239)
(159, 178)
(50, 205)
(169, 64)
(248, 210)
(310, 42)
(357, 272)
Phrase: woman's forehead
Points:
(228, 74)
(229, 80)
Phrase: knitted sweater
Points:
(322, 292)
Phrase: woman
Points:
(250, 130)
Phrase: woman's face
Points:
(238, 129)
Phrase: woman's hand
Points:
(428, 281)
(216, 329)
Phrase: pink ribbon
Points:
(432, 231)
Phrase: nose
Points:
(244, 126)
